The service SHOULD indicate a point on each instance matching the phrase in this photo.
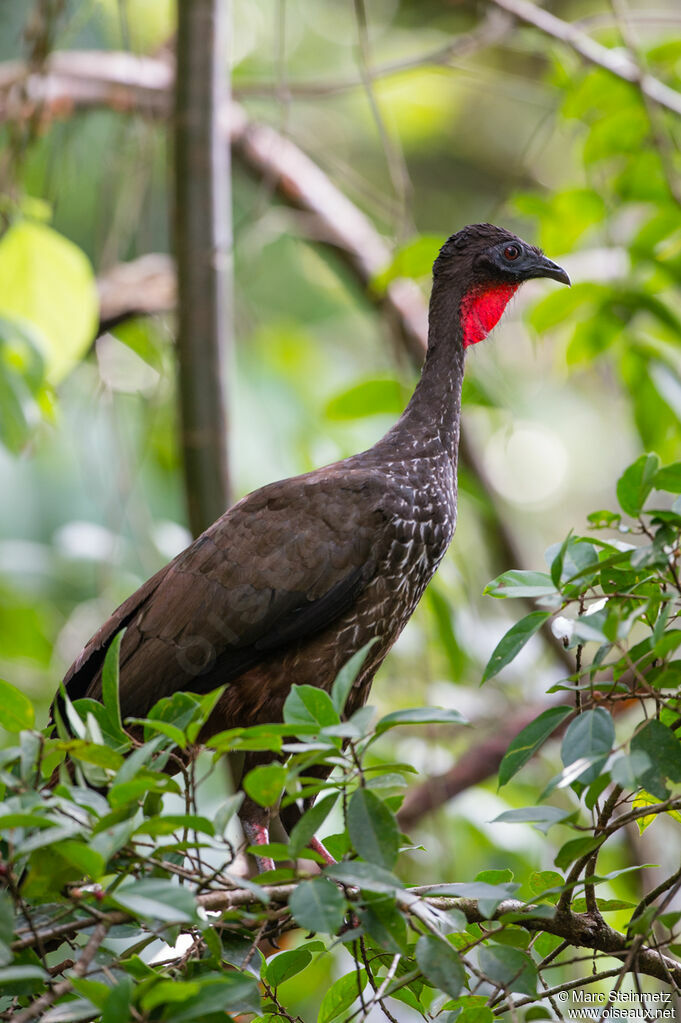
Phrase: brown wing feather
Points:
(279, 566)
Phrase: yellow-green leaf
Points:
(48, 282)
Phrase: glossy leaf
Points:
(636, 482)
(318, 905)
(529, 740)
(509, 968)
(17, 710)
(264, 784)
(590, 737)
(346, 676)
(440, 964)
(373, 829)
(513, 642)
(340, 996)
(48, 281)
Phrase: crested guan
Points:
(301, 573)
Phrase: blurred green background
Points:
(518, 130)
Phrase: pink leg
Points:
(318, 847)
(258, 834)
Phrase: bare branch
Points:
(617, 62)
(39, 1006)
(491, 30)
(581, 930)
(140, 287)
(203, 244)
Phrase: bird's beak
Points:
(541, 266)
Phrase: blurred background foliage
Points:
(517, 130)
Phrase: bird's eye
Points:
(511, 252)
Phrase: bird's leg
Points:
(255, 823)
(318, 847)
(289, 817)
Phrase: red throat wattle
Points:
(481, 310)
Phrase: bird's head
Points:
(485, 265)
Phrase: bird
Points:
(299, 575)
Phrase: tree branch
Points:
(616, 62)
(39, 1006)
(203, 244)
(581, 930)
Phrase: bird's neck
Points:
(430, 423)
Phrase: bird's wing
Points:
(279, 566)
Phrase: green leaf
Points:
(48, 281)
(513, 642)
(154, 726)
(168, 991)
(169, 823)
(310, 705)
(305, 829)
(384, 922)
(110, 681)
(420, 716)
(382, 396)
(318, 905)
(364, 875)
(117, 1004)
(229, 992)
(663, 749)
(543, 817)
(477, 1014)
(12, 974)
(347, 675)
(83, 857)
(443, 619)
(520, 583)
(285, 965)
(669, 478)
(340, 996)
(575, 849)
(265, 784)
(440, 964)
(636, 482)
(591, 735)
(17, 709)
(604, 519)
(414, 259)
(373, 829)
(71, 1011)
(630, 771)
(22, 385)
(93, 753)
(509, 968)
(529, 740)
(158, 899)
(6, 929)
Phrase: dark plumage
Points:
(300, 574)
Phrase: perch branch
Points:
(581, 930)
